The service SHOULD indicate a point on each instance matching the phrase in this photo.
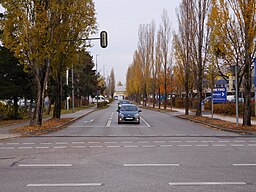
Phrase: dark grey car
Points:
(128, 113)
(121, 102)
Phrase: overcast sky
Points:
(121, 19)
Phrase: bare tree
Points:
(165, 31)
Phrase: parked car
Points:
(100, 99)
(128, 113)
(121, 102)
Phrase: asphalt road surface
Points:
(163, 153)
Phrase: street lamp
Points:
(97, 94)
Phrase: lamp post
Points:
(254, 60)
(73, 90)
(97, 94)
(67, 84)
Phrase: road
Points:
(163, 153)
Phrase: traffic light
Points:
(103, 39)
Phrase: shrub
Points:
(101, 104)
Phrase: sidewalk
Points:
(5, 132)
(216, 116)
(179, 111)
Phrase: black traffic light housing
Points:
(103, 39)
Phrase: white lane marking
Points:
(184, 145)
(127, 146)
(108, 123)
(110, 142)
(110, 120)
(175, 141)
(151, 165)
(191, 141)
(240, 141)
(145, 122)
(251, 145)
(236, 145)
(95, 146)
(166, 145)
(80, 146)
(44, 165)
(244, 165)
(60, 147)
(25, 147)
(65, 185)
(94, 142)
(205, 183)
(6, 147)
(85, 121)
(252, 140)
(148, 146)
(202, 145)
(45, 143)
(12, 143)
(28, 143)
(223, 141)
(80, 142)
(42, 147)
(91, 120)
(219, 145)
(61, 143)
(113, 146)
(205, 141)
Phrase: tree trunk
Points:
(247, 90)
(15, 108)
(49, 106)
(41, 76)
(57, 106)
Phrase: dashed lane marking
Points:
(244, 165)
(44, 165)
(205, 183)
(65, 185)
(151, 165)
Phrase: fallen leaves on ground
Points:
(46, 127)
(220, 123)
(12, 122)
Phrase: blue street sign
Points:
(219, 95)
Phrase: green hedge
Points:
(102, 104)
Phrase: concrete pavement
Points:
(5, 131)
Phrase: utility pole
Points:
(97, 94)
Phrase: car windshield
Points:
(128, 108)
(124, 102)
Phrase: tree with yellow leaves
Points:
(233, 33)
(37, 32)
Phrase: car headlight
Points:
(137, 115)
(121, 115)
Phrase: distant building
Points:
(120, 92)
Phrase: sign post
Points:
(254, 81)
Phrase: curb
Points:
(220, 128)
(52, 129)
(210, 125)
(62, 126)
